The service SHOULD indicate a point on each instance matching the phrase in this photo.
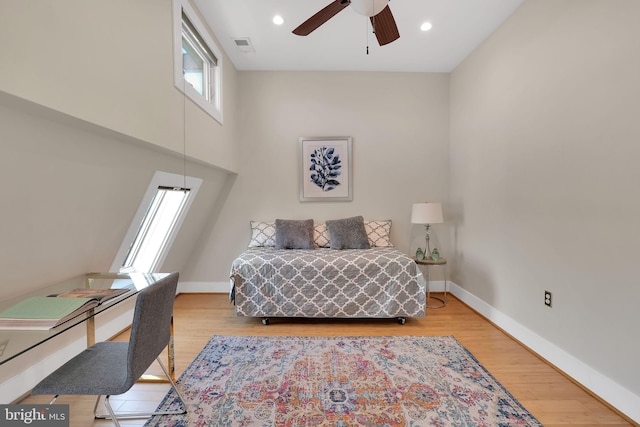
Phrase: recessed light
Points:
(278, 20)
(426, 26)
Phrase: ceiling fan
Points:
(382, 21)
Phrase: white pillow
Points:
(321, 235)
(378, 232)
(263, 233)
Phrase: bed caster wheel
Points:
(265, 321)
(401, 320)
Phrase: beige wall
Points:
(544, 177)
(111, 63)
(399, 124)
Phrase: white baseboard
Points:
(203, 287)
(608, 390)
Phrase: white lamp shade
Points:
(426, 213)
(369, 7)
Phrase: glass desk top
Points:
(15, 342)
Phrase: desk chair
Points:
(111, 367)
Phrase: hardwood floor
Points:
(551, 397)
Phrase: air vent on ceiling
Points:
(244, 44)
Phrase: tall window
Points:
(156, 224)
(197, 60)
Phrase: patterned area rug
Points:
(340, 381)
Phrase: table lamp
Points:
(426, 213)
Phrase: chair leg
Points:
(175, 389)
(106, 404)
(110, 410)
(95, 407)
(110, 416)
(114, 415)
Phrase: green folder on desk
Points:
(43, 313)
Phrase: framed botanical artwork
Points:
(325, 169)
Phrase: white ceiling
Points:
(459, 26)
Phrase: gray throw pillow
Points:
(294, 234)
(348, 233)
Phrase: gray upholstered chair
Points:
(111, 368)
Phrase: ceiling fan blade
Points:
(321, 17)
(385, 27)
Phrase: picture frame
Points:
(325, 169)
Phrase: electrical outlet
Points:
(547, 298)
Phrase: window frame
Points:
(212, 106)
(160, 179)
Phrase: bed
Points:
(322, 281)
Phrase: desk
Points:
(430, 263)
(13, 343)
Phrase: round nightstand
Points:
(442, 262)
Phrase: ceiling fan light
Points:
(368, 7)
